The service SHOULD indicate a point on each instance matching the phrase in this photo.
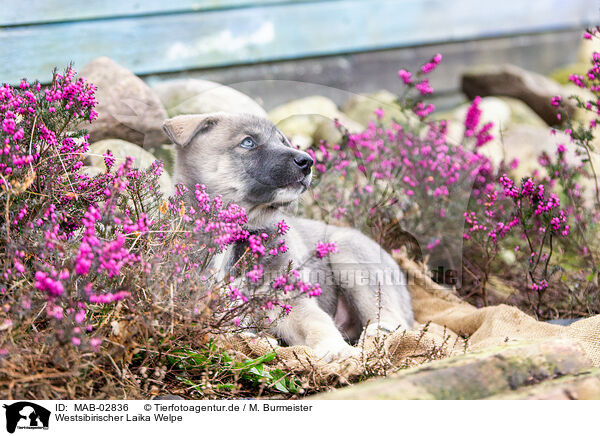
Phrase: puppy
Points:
(248, 161)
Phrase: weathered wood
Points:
(15, 12)
(474, 376)
(175, 42)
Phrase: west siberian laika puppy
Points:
(249, 162)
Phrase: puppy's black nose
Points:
(304, 162)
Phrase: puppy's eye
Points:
(248, 143)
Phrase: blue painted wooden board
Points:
(14, 12)
(174, 42)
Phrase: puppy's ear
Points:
(183, 128)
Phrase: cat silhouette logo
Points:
(26, 415)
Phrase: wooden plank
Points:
(15, 12)
(201, 40)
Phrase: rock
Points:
(361, 108)
(474, 375)
(511, 81)
(526, 143)
(120, 150)
(313, 105)
(586, 50)
(582, 386)
(166, 154)
(328, 132)
(195, 96)
(128, 109)
(561, 75)
(169, 397)
(493, 109)
(311, 118)
(92, 171)
(571, 90)
(563, 321)
(504, 112)
(520, 113)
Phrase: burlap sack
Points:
(445, 325)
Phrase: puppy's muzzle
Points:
(304, 162)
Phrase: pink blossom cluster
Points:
(482, 134)
(291, 282)
(324, 249)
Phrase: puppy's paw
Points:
(248, 334)
(336, 351)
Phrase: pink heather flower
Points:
(432, 64)
(287, 308)
(109, 159)
(282, 227)
(424, 87)
(379, 113)
(19, 266)
(109, 297)
(324, 249)
(423, 110)
(561, 149)
(556, 100)
(255, 274)
(282, 247)
(405, 76)
(80, 316)
(95, 343)
(483, 136)
(472, 117)
(256, 245)
(46, 283)
(578, 80)
(279, 282)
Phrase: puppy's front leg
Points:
(308, 324)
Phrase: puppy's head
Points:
(242, 157)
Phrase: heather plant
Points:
(528, 210)
(98, 264)
(550, 215)
(407, 182)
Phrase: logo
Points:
(26, 415)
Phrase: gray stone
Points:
(584, 385)
(587, 48)
(308, 120)
(328, 132)
(169, 397)
(563, 321)
(166, 154)
(526, 143)
(491, 372)
(511, 81)
(121, 150)
(127, 107)
(361, 108)
(195, 96)
(521, 113)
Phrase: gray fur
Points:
(362, 285)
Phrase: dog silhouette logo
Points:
(26, 415)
